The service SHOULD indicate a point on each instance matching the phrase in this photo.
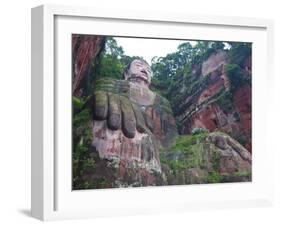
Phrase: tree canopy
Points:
(172, 71)
(112, 61)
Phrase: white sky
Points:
(148, 48)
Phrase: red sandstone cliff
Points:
(217, 107)
(85, 49)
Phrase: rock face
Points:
(233, 156)
(211, 102)
(242, 101)
(214, 62)
(85, 49)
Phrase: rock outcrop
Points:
(214, 62)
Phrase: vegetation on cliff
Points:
(237, 76)
(197, 158)
(81, 137)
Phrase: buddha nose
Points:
(144, 71)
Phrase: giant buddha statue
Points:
(131, 123)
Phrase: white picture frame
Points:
(52, 197)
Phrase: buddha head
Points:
(138, 71)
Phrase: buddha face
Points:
(139, 72)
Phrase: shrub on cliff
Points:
(187, 152)
(239, 52)
(237, 76)
(82, 137)
(199, 130)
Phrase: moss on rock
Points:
(100, 105)
(188, 152)
(140, 121)
(216, 154)
(128, 118)
(114, 112)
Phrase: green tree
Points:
(112, 48)
(239, 51)
(113, 61)
(110, 63)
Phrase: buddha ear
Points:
(126, 75)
